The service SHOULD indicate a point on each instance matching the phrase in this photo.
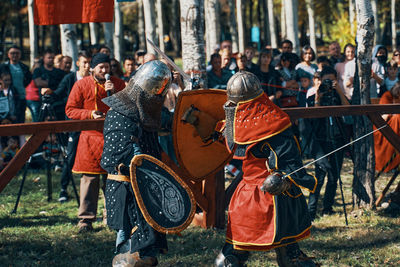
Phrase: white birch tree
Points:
(233, 26)
(239, 17)
(32, 34)
(160, 25)
(69, 46)
(271, 23)
(141, 30)
(212, 25)
(118, 37)
(283, 20)
(192, 31)
(149, 24)
(311, 24)
(93, 33)
(393, 17)
(363, 153)
(292, 24)
(352, 15)
(377, 29)
(108, 28)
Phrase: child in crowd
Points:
(391, 74)
(9, 152)
(305, 85)
(310, 96)
(7, 99)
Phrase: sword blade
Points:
(337, 149)
(161, 53)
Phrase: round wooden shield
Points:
(198, 157)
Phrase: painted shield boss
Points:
(165, 201)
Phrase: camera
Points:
(48, 99)
(326, 86)
(329, 96)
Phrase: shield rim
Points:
(175, 124)
(137, 161)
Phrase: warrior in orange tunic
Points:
(386, 157)
(259, 133)
(84, 102)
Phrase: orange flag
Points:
(49, 12)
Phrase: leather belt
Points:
(119, 177)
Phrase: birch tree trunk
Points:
(291, 24)
(192, 30)
(160, 25)
(93, 33)
(363, 153)
(175, 28)
(150, 24)
(118, 37)
(212, 24)
(32, 34)
(141, 30)
(233, 26)
(239, 17)
(69, 46)
(108, 28)
(271, 20)
(393, 15)
(352, 16)
(311, 24)
(374, 4)
(283, 20)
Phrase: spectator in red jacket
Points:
(85, 103)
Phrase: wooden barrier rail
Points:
(41, 130)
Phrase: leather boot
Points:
(229, 257)
(292, 256)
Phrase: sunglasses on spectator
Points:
(396, 54)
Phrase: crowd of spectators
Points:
(289, 80)
(306, 80)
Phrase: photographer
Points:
(327, 135)
(47, 78)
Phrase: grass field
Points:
(45, 234)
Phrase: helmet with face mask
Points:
(143, 97)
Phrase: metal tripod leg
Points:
(14, 211)
(75, 190)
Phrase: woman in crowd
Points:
(268, 76)
(287, 72)
(347, 67)
(116, 69)
(305, 67)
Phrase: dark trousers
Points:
(332, 166)
(72, 144)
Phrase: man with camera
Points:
(327, 135)
(47, 78)
(84, 102)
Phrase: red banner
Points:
(50, 12)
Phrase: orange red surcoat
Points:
(86, 96)
(258, 220)
(386, 156)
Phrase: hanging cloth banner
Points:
(50, 12)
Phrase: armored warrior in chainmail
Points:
(267, 210)
(131, 128)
